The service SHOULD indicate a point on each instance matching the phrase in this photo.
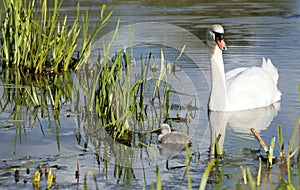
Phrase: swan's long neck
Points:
(218, 96)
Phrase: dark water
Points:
(252, 30)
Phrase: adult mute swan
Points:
(242, 88)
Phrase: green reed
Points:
(206, 174)
(259, 173)
(37, 46)
(281, 140)
(248, 178)
(158, 179)
(117, 94)
(188, 158)
(286, 160)
(271, 153)
(42, 42)
(38, 40)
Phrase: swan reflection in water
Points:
(240, 122)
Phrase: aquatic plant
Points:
(116, 90)
(262, 175)
(188, 158)
(248, 179)
(116, 95)
(123, 98)
(41, 41)
(158, 179)
(285, 159)
(206, 174)
(37, 46)
(281, 140)
(37, 178)
(30, 99)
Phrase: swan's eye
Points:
(219, 36)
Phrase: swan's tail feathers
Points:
(277, 96)
(270, 68)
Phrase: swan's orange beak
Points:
(221, 44)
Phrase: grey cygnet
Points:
(170, 137)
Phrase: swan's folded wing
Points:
(251, 88)
(232, 73)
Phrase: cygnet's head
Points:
(215, 37)
(165, 128)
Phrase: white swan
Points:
(242, 88)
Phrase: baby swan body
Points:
(170, 137)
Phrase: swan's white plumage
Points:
(242, 88)
(251, 88)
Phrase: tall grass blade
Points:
(281, 141)
(259, 173)
(206, 174)
(180, 54)
(296, 131)
(244, 174)
(103, 8)
(188, 157)
(158, 179)
(288, 165)
(161, 75)
(251, 180)
(271, 152)
(218, 152)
